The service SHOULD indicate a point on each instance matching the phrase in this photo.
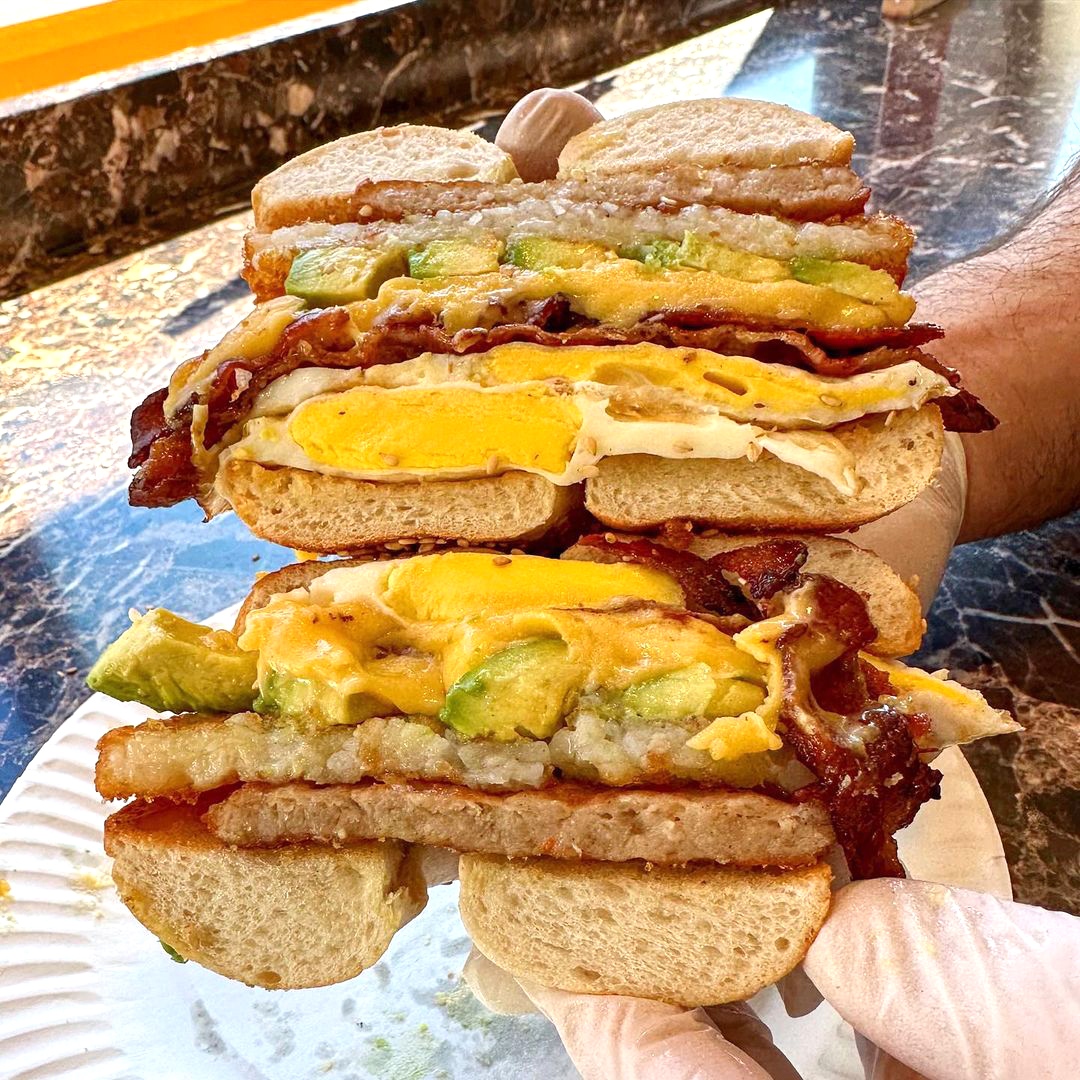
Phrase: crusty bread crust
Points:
(896, 455)
(706, 133)
(307, 186)
(686, 936)
(332, 514)
(294, 917)
(294, 576)
(565, 821)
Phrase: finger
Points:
(799, 995)
(742, 1027)
(878, 1065)
(539, 126)
(953, 983)
(916, 539)
(633, 1039)
(495, 989)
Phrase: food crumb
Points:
(464, 1008)
(90, 881)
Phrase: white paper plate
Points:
(86, 992)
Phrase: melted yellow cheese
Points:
(403, 632)
(730, 737)
(617, 649)
(349, 648)
(621, 292)
(256, 335)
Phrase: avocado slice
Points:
(451, 258)
(341, 275)
(172, 665)
(691, 691)
(674, 696)
(705, 253)
(849, 278)
(656, 254)
(545, 252)
(521, 690)
(312, 705)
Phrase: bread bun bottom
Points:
(895, 458)
(293, 917)
(334, 514)
(308, 915)
(689, 936)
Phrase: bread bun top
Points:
(707, 133)
(301, 188)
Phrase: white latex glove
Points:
(954, 984)
(958, 985)
(916, 539)
(539, 126)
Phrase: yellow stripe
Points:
(60, 48)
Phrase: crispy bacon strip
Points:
(317, 338)
(729, 583)
(863, 752)
(161, 450)
(850, 340)
(162, 455)
(147, 424)
(764, 569)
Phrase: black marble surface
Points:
(964, 119)
(110, 165)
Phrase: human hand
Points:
(949, 984)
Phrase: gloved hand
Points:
(955, 984)
(952, 983)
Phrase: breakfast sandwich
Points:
(642, 753)
(693, 321)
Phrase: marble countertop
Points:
(964, 119)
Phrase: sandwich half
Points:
(643, 754)
(693, 321)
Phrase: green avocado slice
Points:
(172, 665)
(342, 275)
(310, 705)
(656, 254)
(704, 253)
(545, 253)
(849, 278)
(691, 691)
(521, 690)
(452, 258)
